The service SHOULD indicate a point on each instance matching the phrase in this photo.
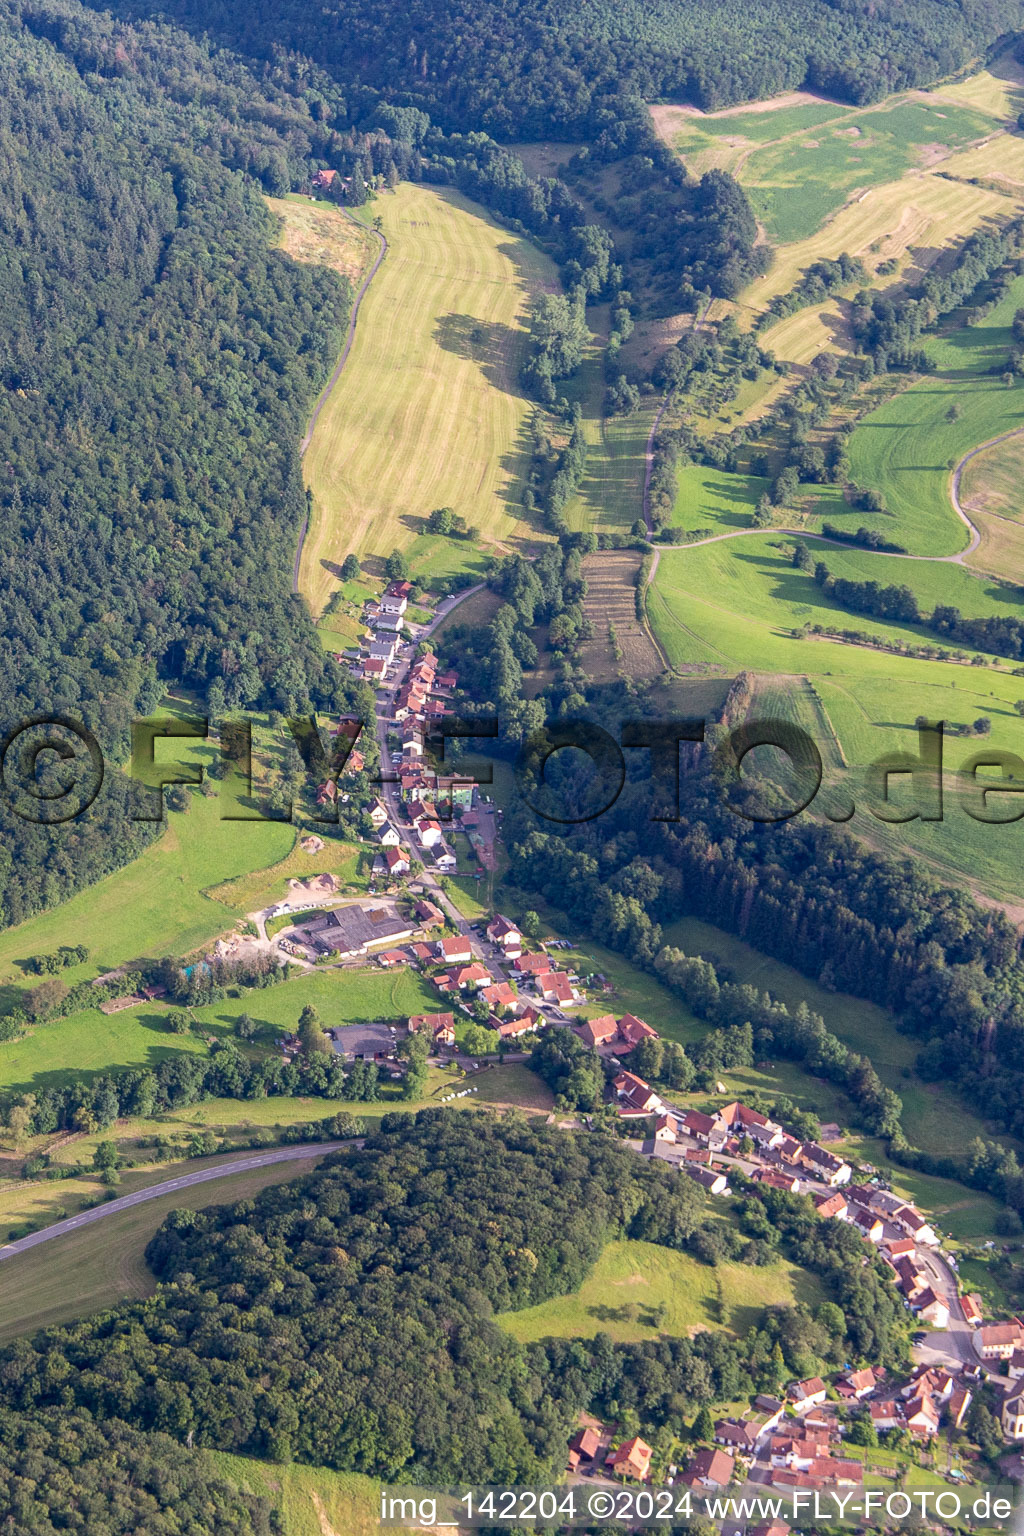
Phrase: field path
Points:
(296, 1153)
(336, 375)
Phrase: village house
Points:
(532, 965)
(711, 1179)
(910, 1219)
(797, 1450)
(829, 1169)
(635, 1096)
(600, 1031)
(632, 1030)
(444, 859)
(931, 1308)
(583, 1446)
(506, 935)
(388, 835)
(374, 669)
(500, 996)
(632, 1459)
(789, 1149)
(743, 1121)
(805, 1395)
(463, 976)
(555, 987)
(885, 1415)
(787, 1181)
(389, 958)
(970, 1306)
(397, 861)
(869, 1225)
(997, 1341)
(382, 648)
(739, 1434)
(921, 1415)
(378, 813)
(704, 1129)
(324, 180)
(454, 949)
(710, 1469)
(429, 833)
(510, 1029)
(428, 915)
(857, 1384)
(666, 1128)
(959, 1401)
(440, 1025)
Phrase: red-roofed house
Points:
(505, 934)
(392, 957)
(710, 1469)
(599, 1031)
(532, 965)
(807, 1394)
(474, 975)
(635, 1096)
(632, 1459)
(633, 1030)
(500, 995)
(555, 987)
(440, 1025)
(454, 949)
(397, 861)
(832, 1205)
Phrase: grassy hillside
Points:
(632, 1278)
(311, 1501)
(428, 411)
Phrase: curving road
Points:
(954, 489)
(293, 1154)
(339, 365)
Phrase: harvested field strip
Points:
(610, 605)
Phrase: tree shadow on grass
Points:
(486, 342)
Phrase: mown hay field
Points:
(428, 411)
(993, 481)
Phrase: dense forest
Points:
(533, 69)
(65, 1471)
(158, 359)
(373, 1285)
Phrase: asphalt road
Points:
(293, 1154)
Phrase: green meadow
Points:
(907, 448)
(738, 604)
(91, 1042)
(632, 1279)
